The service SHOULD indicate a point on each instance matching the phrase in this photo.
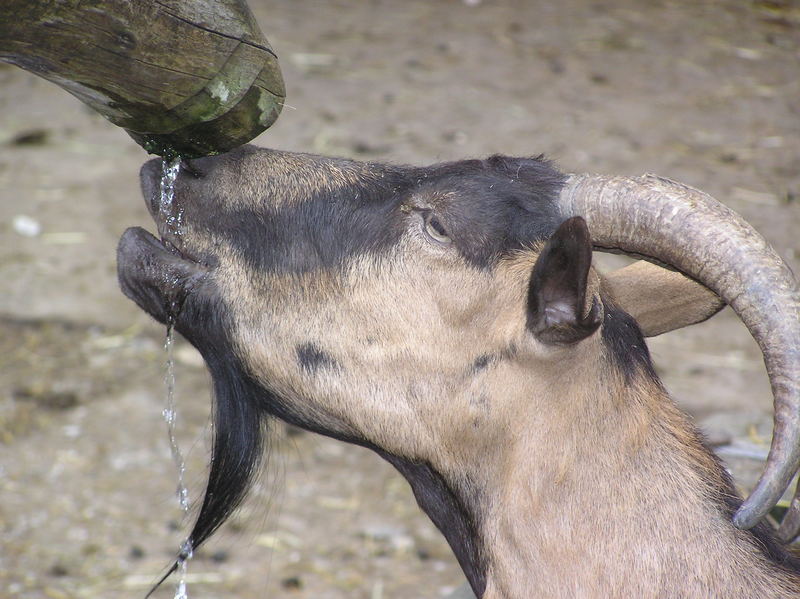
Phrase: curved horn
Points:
(692, 232)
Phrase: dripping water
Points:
(170, 413)
(167, 211)
(171, 217)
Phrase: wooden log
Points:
(188, 77)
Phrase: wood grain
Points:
(193, 77)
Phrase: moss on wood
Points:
(194, 77)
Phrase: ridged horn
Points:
(687, 229)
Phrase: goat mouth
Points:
(154, 275)
(157, 180)
(165, 208)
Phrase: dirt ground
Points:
(704, 92)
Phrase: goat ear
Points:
(557, 287)
(660, 300)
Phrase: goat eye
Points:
(435, 229)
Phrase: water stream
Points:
(171, 216)
(170, 413)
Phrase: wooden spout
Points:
(188, 77)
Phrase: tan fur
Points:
(282, 178)
(605, 529)
(590, 486)
(567, 467)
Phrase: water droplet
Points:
(171, 215)
(170, 414)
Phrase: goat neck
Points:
(599, 481)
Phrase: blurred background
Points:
(704, 92)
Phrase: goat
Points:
(448, 317)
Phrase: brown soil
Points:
(703, 92)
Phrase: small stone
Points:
(26, 226)
(33, 137)
(49, 399)
(292, 583)
(58, 569)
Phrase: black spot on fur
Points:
(625, 345)
(481, 362)
(485, 361)
(510, 352)
(312, 358)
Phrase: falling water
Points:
(171, 217)
(170, 416)
(167, 209)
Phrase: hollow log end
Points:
(251, 116)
